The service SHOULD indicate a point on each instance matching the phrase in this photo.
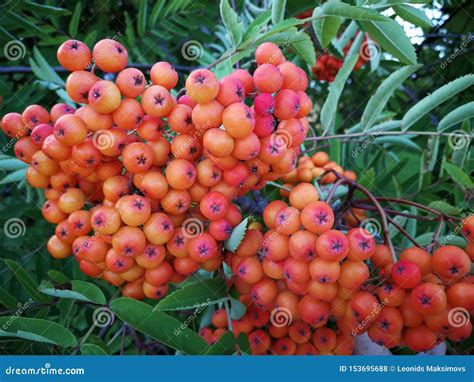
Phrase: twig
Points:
(438, 231)
(403, 231)
(279, 186)
(376, 203)
(394, 212)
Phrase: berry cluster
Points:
(308, 289)
(140, 185)
(327, 66)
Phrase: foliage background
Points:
(410, 166)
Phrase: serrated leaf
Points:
(80, 290)
(14, 177)
(169, 331)
(39, 330)
(254, 27)
(458, 175)
(304, 47)
(142, 17)
(326, 28)
(25, 23)
(91, 349)
(379, 99)
(196, 295)
(445, 208)
(237, 235)
(413, 15)
(456, 116)
(278, 10)
(351, 12)
(444, 93)
(26, 280)
(74, 23)
(346, 36)
(392, 38)
(224, 346)
(329, 109)
(231, 21)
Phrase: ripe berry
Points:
(202, 86)
(158, 229)
(104, 97)
(137, 157)
(406, 274)
(110, 56)
(429, 298)
(74, 55)
(332, 245)
(268, 78)
(129, 241)
(180, 174)
(162, 73)
(202, 247)
(157, 101)
(451, 263)
(238, 120)
(361, 244)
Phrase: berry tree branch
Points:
(388, 133)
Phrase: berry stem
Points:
(376, 203)
(279, 186)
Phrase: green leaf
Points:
(254, 27)
(47, 72)
(47, 10)
(304, 47)
(14, 177)
(26, 280)
(458, 175)
(401, 221)
(196, 295)
(58, 277)
(11, 164)
(25, 23)
(161, 326)
(80, 290)
(7, 300)
(404, 142)
(232, 23)
(74, 23)
(444, 93)
(278, 11)
(224, 346)
(392, 38)
(454, 117)
(142, 17)
(237, 235)
(368, 178)
(34, 329)
(334, 8)
(91, 349)
(243, 343)
(413, 15)
(445, 208)
(379, 99)
(326, 28)
(329, 109)
(237, 309)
